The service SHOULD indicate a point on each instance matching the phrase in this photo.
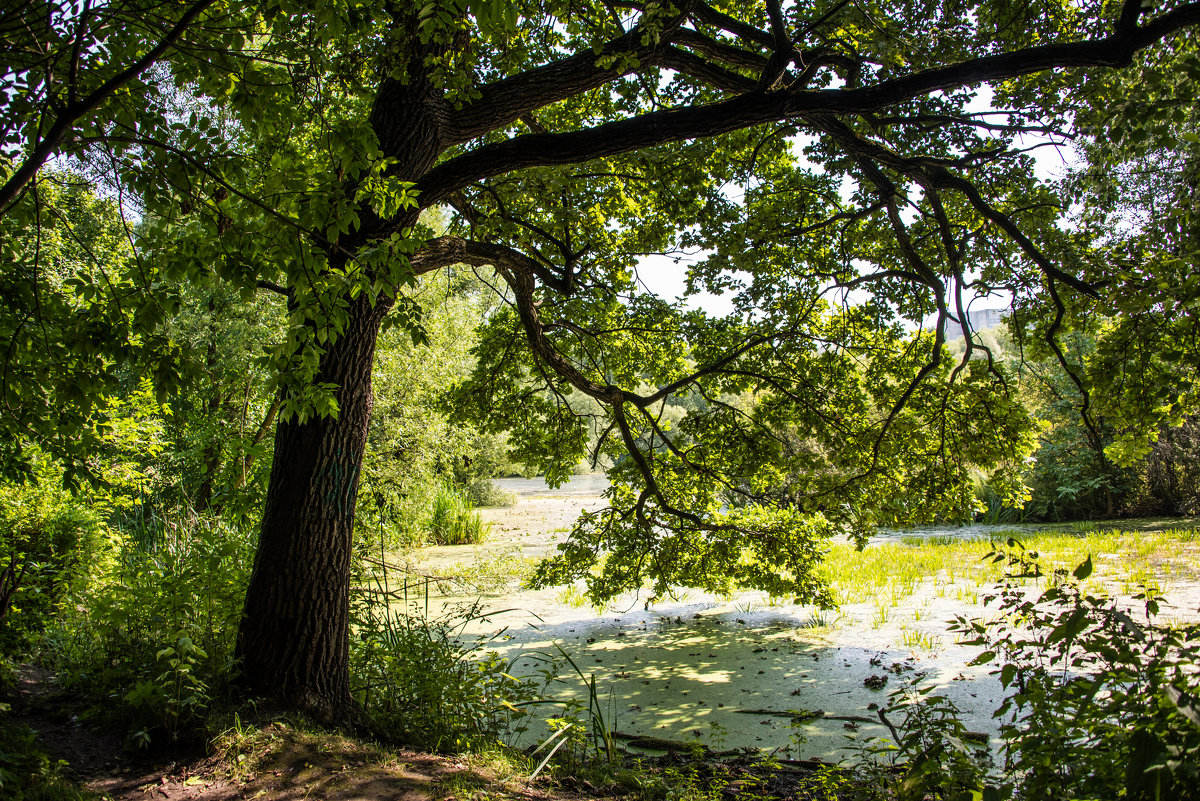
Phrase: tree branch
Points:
(271, 286)
(60, 129)
(507, 101)
(688, 63)
(720, 51)
(446, 250)
(710, 16)
(661, 127)
(935, 175)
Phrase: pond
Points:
(726, 672)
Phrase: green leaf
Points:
(983, 658)
(1069, 628)
(1084, 569)
(1007, 674)
(1187, 704)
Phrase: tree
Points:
(222, 421)
(801, 151)
(64, 317)
(82, 85)
(1127, 357)
(414, 450)
(69, 71)
(1137, 191)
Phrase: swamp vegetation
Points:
(284, 285)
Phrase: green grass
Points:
(912, 638)
(1123, 559)
(573, 597)
(882, 615)
(822, 619)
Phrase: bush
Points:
(421, 684)
(1103, 699)
(484, 492)
(155, 638)
(933, 754)
(1169, 481)
(438, 514)
(49, 543)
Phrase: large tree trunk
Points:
(294, 638)
(294, 635)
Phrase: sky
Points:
(666, 276)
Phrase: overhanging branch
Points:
(504, 102)
(753, 108)
(64, 122)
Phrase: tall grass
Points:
(453, 520)
(422, 680)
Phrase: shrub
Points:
(49, 543)
(421, 684)
(484, 492)
(155, 637)
(175, 698)
(1103, 699)
(933, 754)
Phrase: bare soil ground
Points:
(273, 761)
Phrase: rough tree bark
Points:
(294, 638)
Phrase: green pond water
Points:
(725, 672)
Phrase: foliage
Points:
(70, 313)
(220, 422)
(484, 492)
(742, 489)
(1070, 477)
(421, 684)
(49, 545)
(1125, 360)
(99, 340)
(152, 640)
(1102, 697)
(795, 154)
(936, 756)
(1169, 483)
(452, 521)
(118, 340)
(419, 457)
(26, 772)
(175, 698)
(1137, 189)
(782, 559)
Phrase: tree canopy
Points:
(852, 174)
